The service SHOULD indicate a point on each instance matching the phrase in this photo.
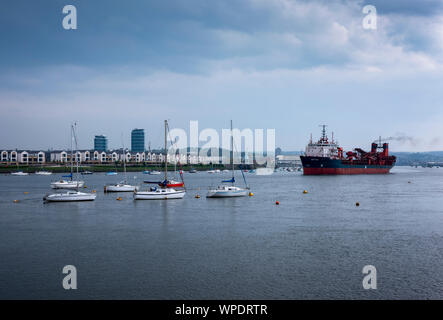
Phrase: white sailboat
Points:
(162, 192)
(69, 184)
(71, 195)
(122, 186)
(229, 191)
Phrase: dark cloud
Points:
(407, 7)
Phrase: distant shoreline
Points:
(119, 168)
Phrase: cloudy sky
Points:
(283, 64)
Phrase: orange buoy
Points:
(93, 191)
(197, 196)
(305, 191)
(15, 201)
(251, 194)
(277, 202)
(26, 192)
(119, 198)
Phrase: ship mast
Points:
(323, 133)
(232, 153)
(166, 154)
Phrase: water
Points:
(310, 246)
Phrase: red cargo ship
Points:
(326, 157)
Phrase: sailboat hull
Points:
(159, 194)
(67, 184)
(226, 193)
(70, 197)
(120, 188)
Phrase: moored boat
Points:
(229, 191)
(165, 190)
(43, 173)
(19, 173)
(70, 196)
(327, 157)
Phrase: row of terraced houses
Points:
(8, 157)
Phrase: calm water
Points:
(310, 246)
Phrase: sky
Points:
(279, 64)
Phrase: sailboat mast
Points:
(232, 152)
(124, 159)
(72, 152)
(166, 154)
(76, 158)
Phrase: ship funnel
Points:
(374, 147)
(385, 149)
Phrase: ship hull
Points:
(328, 166)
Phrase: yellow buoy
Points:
(119, 198)
(305, 191)
(251, 194)
(26, 192)
(15, 201)
(85, 187)
(197, 196)
(93, 191)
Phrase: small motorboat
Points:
(154, 173)
(111, 173)
(44, 173)
(86, 172)
(69, 196)
(192, 170)
(19, 173)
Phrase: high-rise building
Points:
(100, 143)
(138, 140)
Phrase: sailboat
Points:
(71, 195)
(164, 190)
(229, 191)
(122, 186)
(69, 184)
